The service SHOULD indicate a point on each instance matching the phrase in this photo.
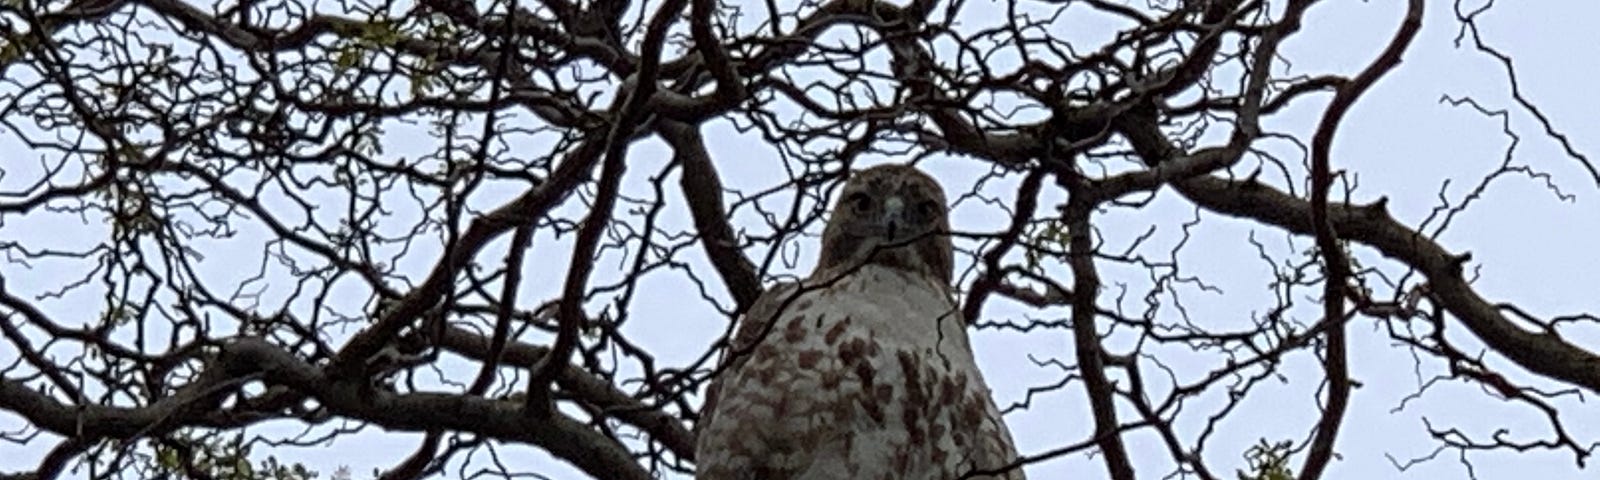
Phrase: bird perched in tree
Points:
(862, 370)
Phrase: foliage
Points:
(1268, 461)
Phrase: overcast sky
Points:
(1529, 247)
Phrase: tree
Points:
(240, 229)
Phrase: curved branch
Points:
(702, 190)
(1336, 364)
(247, 358)
(584, 386)
(1543, 353)
(569, 312)
(1086, 337)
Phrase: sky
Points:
(1403, 141)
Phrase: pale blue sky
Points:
(1402, 141)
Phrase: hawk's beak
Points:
(893, 216)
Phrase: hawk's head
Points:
(892, 215)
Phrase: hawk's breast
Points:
(869, 376)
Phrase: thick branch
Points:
(702, 189)
(631, 116)
(1336, 363)
(1539, 352)
(1086, 338)
(584, 386)
(243, 358)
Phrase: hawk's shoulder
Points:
(748, 331)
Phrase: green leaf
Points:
(347, 57)
(167, 458)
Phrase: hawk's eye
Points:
(860, 201)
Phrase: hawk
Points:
(862, 370)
